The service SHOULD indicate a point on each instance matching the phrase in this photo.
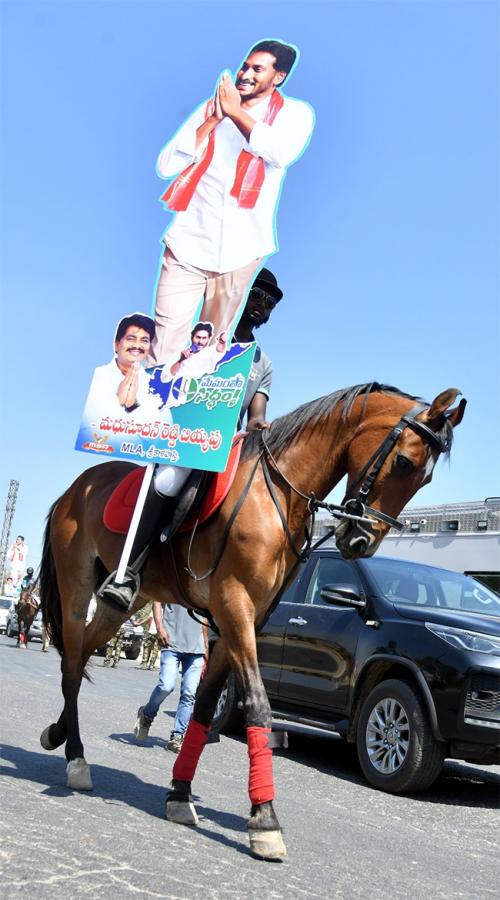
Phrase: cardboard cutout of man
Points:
(17, 559)
(232, 154)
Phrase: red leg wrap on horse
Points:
(260, 780)
(194, 741)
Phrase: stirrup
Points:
(121, 596)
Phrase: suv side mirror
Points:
(346, 594)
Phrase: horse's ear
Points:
(437, 412)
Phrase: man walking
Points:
(184, 646)
(232, 154)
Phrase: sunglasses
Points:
(258, 294)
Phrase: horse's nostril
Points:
(359, 545)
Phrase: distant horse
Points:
(26, 609)
(385, 441)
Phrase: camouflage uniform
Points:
(114, 649)
(150, 647)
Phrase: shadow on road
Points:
(128, 737)
(114, 786)
(459, 784)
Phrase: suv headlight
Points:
(466, 640)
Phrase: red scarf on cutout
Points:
(249, 176)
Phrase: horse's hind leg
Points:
(75, 589)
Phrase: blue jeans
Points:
(191, 667)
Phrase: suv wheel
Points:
(228, 717)
(396, 749)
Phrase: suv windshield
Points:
(4, 604)
(405, 582)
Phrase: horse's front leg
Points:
(266, 840)
(179, 806)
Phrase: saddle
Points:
(202, 495)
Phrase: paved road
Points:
(344, 839)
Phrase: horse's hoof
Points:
(78, 775)
(45, 739)
(267, 844)
(181, 812)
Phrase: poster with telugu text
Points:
(184, 419)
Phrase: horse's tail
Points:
(50, 598)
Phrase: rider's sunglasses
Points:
(258, 294)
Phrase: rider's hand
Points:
(257, 425)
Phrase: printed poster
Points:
(182, 415)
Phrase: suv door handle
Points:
(298, 621)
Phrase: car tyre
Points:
(228, 717)
(396, 749)
(133, 653)
(8, 631)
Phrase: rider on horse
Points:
(169, 480)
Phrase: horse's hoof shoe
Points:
(45, 739)
(78, 775)
(267, 844)
(181, 812)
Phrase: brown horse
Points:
(383, 440)
(26, 609)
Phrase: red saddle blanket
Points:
(118, 511)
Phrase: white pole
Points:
(139, 506)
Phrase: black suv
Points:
(400, 658)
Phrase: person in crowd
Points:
(9, 588)
(184, 647)
(150, 646)
(114, 649)
(28, 580)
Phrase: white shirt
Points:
(103, 401)
(214, 233)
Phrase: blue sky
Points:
(388, 225)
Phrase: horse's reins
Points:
(352, 509)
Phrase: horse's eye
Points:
(402, 464)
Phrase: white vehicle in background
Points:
(463, 537)
(5, 605)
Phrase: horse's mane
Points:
(316, 413)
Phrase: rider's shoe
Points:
(142, 725)
(120, 595)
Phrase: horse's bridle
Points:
(368, 474)
(355, 508)
(352, 509)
